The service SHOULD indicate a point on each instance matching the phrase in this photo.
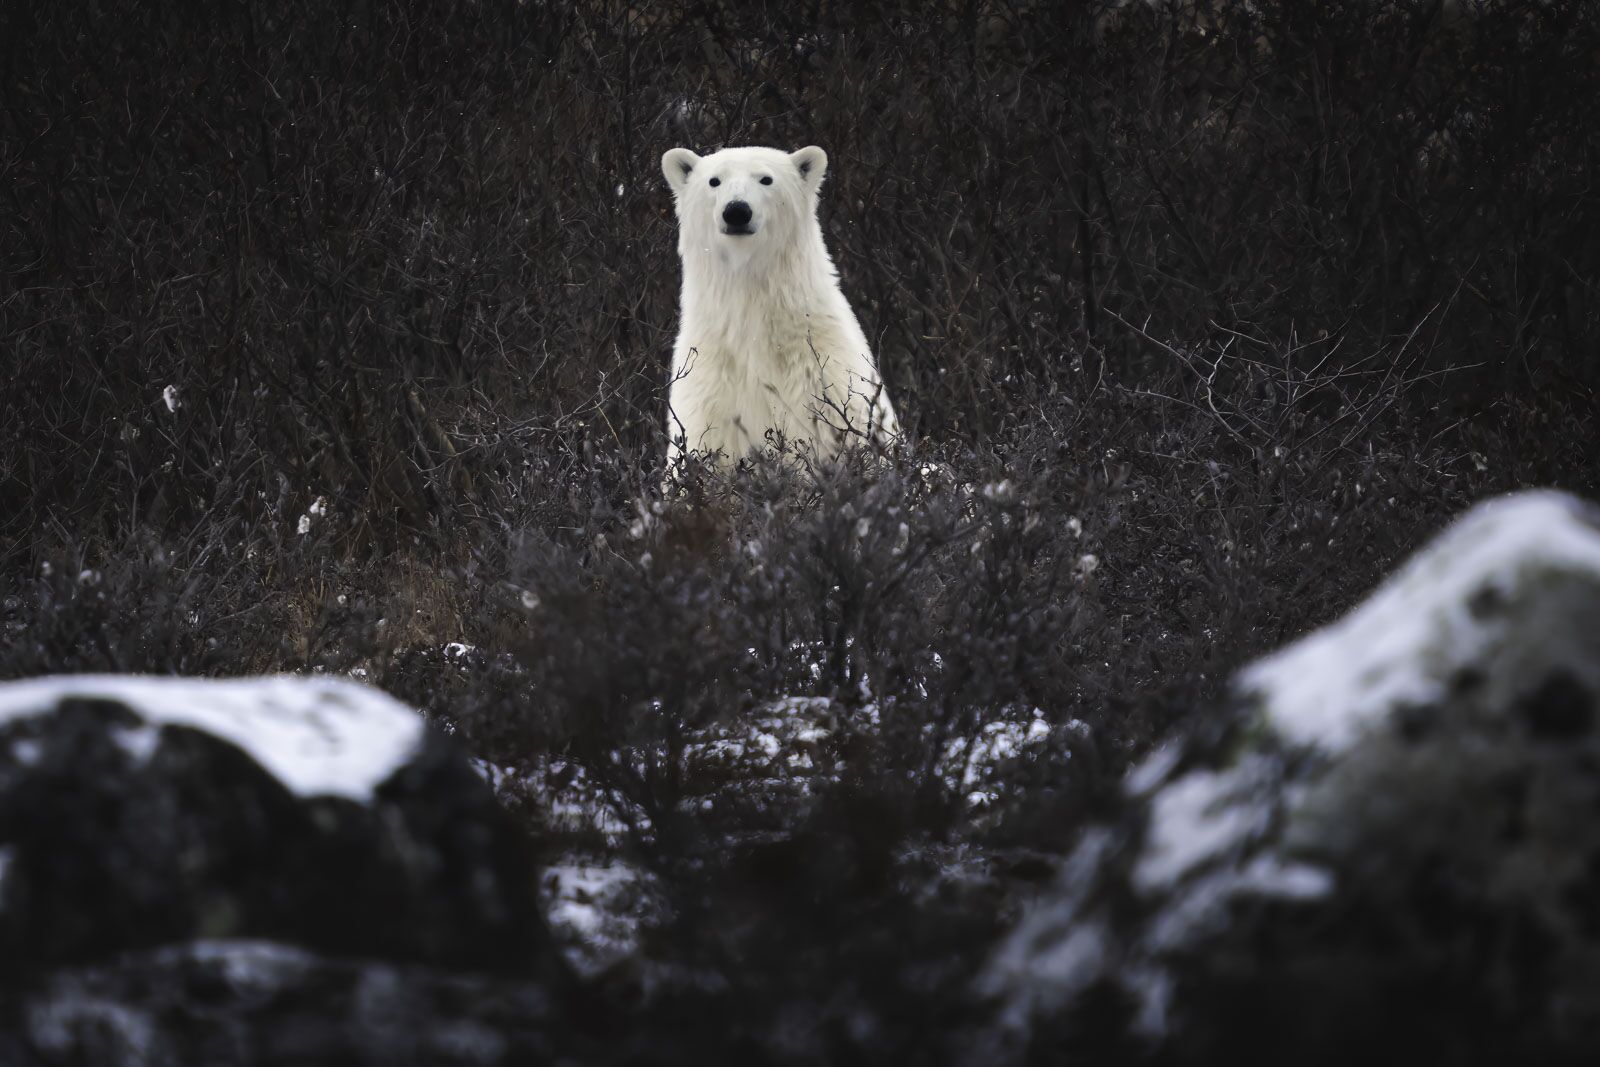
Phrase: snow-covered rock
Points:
(1391, 845)
(317, 736)
(1494, 590)
(141, 811)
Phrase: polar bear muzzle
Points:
(736, 219)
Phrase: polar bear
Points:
(766, 340)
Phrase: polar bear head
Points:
(741, 205)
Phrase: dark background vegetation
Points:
(1241, 302)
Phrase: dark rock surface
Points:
(239, 1003)
(1392, 849)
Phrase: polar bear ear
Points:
(677, 165)
(811, 162)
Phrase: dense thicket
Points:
(330, 332)
(357, 237)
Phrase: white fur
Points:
(766, 341)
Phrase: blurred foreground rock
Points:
(1391, 848)
(202, 868)
(238, 1003)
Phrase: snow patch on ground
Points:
(970, 763)
(318, 736)
(567, 798)
(247, 965)
(597, 911)
(782, 737)
(126, 1035)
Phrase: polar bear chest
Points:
(739, 375)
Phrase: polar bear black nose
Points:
(737, 213)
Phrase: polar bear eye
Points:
(715, 182)
(767, 180)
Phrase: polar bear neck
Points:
(795, 283)
(786, 263)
